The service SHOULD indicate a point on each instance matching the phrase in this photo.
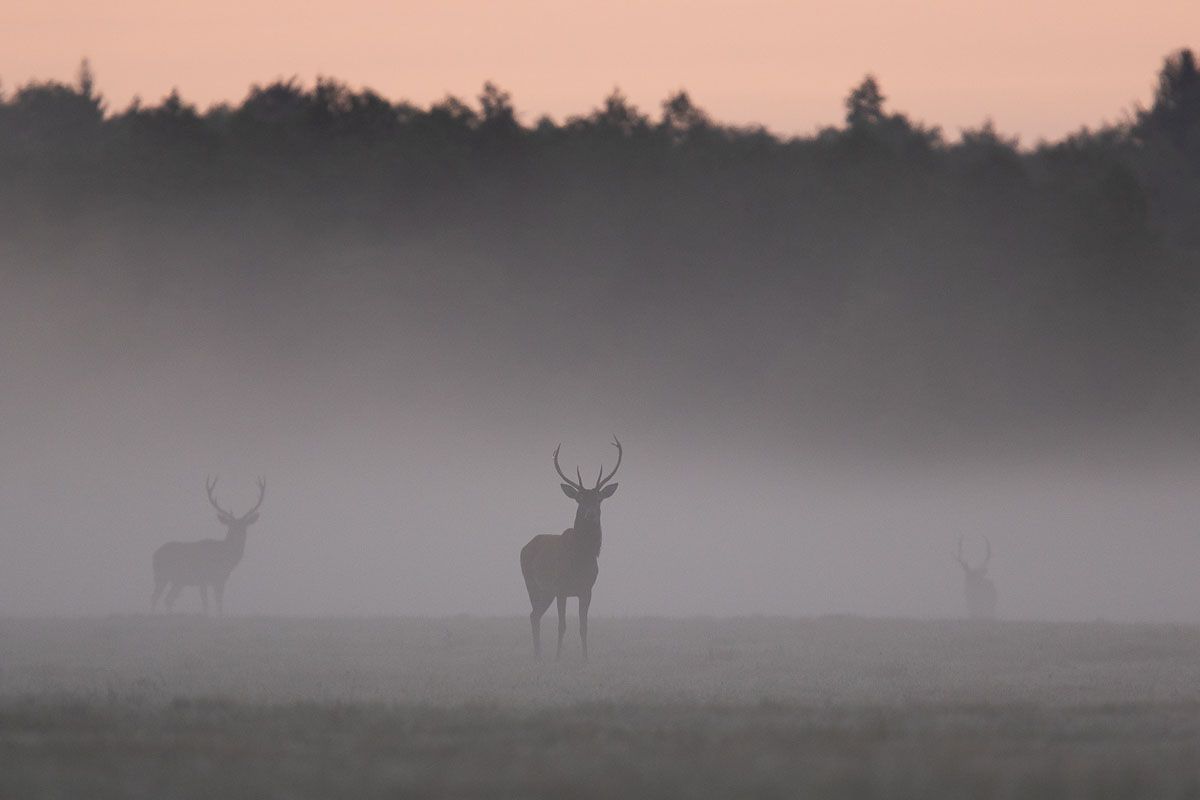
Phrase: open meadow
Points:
(188, 707)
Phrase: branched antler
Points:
(210, 484)
(963, 562)
(558, 469)
(262, 492)
(958, 556)
(602, 481)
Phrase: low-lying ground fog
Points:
(186, 706)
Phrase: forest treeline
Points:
(875, 270)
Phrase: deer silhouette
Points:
(207, 562)
(562, 566)
(979, 589)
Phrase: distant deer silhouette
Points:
(558, 567)
(207, 562)
(980, 591)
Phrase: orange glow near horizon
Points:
(1038, 69)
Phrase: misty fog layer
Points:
(828, 357)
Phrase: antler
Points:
(210, 483)
(558, 469)
(601, 481)
(262, 492)
(986, 558)
(959, 556)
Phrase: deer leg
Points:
(219, 595)
(562, 624)
(172, 593)
(159, 586)
(204, 598)
(585, 600)
(535, 622)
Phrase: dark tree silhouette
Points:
(864, 105)
(1175, 113)
(874, 271)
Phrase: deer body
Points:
(205, 563)
(566, 565)
(981, 597)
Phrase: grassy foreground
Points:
(258, 708)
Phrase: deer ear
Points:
(569, 491)
(251, 518)
(608, 491)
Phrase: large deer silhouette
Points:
(979, 589)
(558, 567)
(207, 562)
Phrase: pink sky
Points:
(1039, 69)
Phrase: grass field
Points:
(832, 707)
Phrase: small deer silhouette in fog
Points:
(980, 591)
(562, 566)
(207, 562)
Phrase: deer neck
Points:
(587, 532)
(236, 542)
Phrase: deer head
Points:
(235, 525)
(589, 499)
